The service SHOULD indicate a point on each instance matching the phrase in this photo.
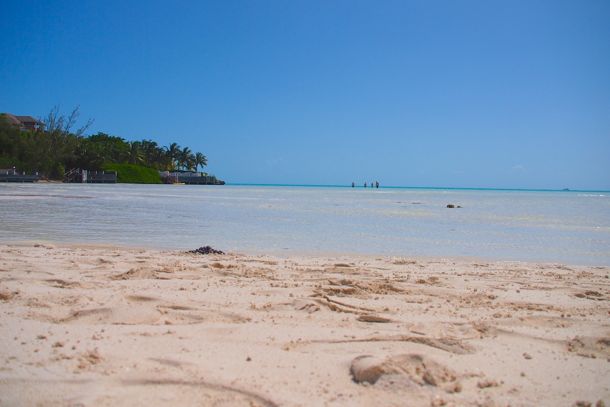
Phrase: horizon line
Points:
(415, 187)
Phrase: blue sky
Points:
(418, 93)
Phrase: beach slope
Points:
(110, 326)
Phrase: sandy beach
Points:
(107, 326)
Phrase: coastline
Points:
(104, 325)
(300, 254)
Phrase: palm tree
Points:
(186, 158)
(135, 153)
(173, 154)
(200, 161)
(150, 150)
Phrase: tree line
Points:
(57, 147)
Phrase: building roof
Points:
(12, 119)
(20, 120)
(27, 119)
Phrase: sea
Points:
(570, 227)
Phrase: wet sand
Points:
(106, 326)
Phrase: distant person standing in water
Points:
(353, 185)
(376, 184)
(365, 184)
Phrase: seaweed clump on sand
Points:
(206, 250)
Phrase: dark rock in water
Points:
(451, 206)
(206, 250)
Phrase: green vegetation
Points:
(56, 148)
(134, 174)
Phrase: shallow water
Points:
(568, 227)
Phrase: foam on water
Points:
(567, 227)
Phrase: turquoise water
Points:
(553, 226)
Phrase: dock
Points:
(189, 178)
(81, 176)
(11, 175)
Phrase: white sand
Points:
(116, 326)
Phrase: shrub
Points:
(134, 174)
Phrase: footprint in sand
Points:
(128, 315)
(414, 368)
(184, 315)
(7, 295)
(590, 347)
(136, 273)
(59, 283)
(144, 310)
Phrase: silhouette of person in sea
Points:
(353, 185)
(376, 184)
(365, 184)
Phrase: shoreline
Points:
(101, 325)
(288, 253)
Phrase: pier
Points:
(11, 175)
(80, 176)
(189, 178)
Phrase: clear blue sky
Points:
(421, 93)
